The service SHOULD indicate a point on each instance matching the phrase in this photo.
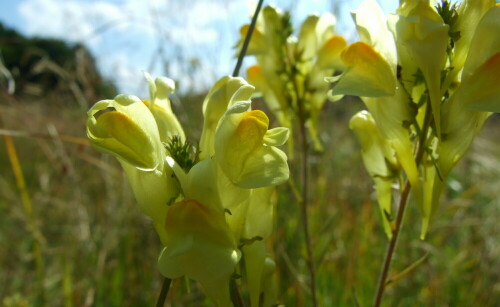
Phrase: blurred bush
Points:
(51, 67)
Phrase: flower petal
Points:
(274, 97)
(241, 152)
(379, 161)
(481, 91)
(367, 73)
(226, 92)
(470, 13)
(125, 128)
(314, 32)
(485, 42)
(371, 24)
(329, 54)
(276, 136)
(211, 256)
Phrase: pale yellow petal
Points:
(371, 24)
(241, 152)
(255, 257)
(329, 55)
(276, 136)
(485, 42)
(470, 12)
(367, 73)
(125, 128)
(200, 246)
(226, 92)
(481, 91)
(377, 157)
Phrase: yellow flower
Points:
(371, 73)
(367, 73)
(199, 246)
(479, 91)
(380, 161)
(226, 92)
(291, 70)
(199, 242)
(125, 128)
(223, 200)
(245, 148)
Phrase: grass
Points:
(98, 250)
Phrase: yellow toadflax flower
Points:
(125, 128)
(199, 242)
(245, 148)
(380, 161)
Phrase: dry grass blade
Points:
(406, 271)
(28, 208)
(64, 138)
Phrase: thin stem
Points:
(235, 294)
(392, 245)
(164, 292)
(244, 48)
(305, 195)
(400, 214)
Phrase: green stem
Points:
(305, 193)
(401, 210)
(235, 294)
(305, 214)
(392, 245)
(164, 292)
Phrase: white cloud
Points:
(125, 35)
(125, 74)
(128, 36)
(70, 20)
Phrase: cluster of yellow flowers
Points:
(428, 58)
(291, 70)
(443, 61)
(208, 206)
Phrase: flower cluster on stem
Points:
(209, 205)
(441, 58)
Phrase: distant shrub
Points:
(44, 66)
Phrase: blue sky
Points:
(189, 41)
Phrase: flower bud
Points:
(159, 105)
(379, 159)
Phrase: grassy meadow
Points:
(73, 235)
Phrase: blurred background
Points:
(70, 232)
